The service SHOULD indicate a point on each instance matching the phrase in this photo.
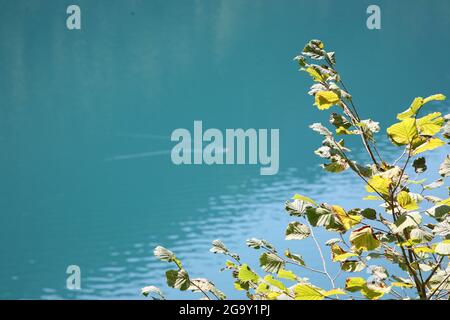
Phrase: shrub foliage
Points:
(410, 229)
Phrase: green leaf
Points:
(294, 257)
(306, 292)
(344, 256)
(438, 211)
(242, 286)
(354, 284)
(274, 282)
(403, 132)
(408, 220)
(326, 99)
(369, 213)
(353, 266)
(263, 288)
(297, 231)
(443, 248)
(246, 274)
(270, 262)
(339, 121)
(336, 166)
(372, 294)
(178, 279)
(364, 239)
(303, 198)
(286, 274)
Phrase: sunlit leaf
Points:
(403, 132)
(303, 198)
(306, 292)
(286, 274)
(333, 292)
(326, 99)
(246, 274)
(364, 239)
(378, 184)
(430, 124)
(274, 282)
(430, 144)
(354, 284)
(406, 201)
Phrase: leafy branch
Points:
(415, 236)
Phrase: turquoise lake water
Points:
(86, 117)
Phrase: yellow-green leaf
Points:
(412, 110)
(286, 274)
(430, 124)
(246, 274)
(372, 294)
(430, 144)
(403, 132)
(347, 220)
(434, 97)
(371, 197)
(303, 198)
(354, 284)
(273, 295)
(314, 74)
(417, 104)
(263, 288)
(423, 249)
(274, 282)
(333, 292)
(343, 130)
(406, 201)
(379, 184)
(364, 239)
(402, 285)
(305, 292)
(326, 99)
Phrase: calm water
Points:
(86, 118)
